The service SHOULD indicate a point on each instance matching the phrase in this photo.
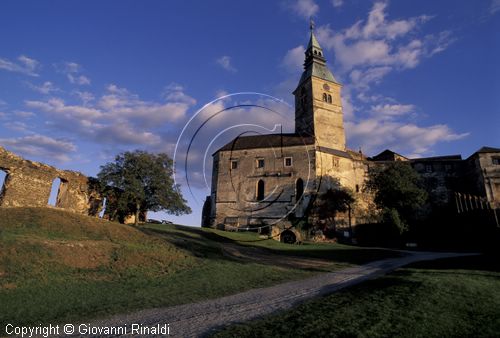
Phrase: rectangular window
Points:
(447, 168)
(428, 168)
(288, 161)
(260, 163)
(335, 162)
(234, 164)
(495, 160)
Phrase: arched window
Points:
(299, 189)
(315, 52)
(319, 54)
(324, 97)
(260, 190)
(329, 98)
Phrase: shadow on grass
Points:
(196, 246)
(208, 245)
(484, 262)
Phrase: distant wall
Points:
(28, 184)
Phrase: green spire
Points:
(315, 62)
(313, 42)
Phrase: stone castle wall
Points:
(28, 184)
(234, 195)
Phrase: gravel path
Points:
(199, 319)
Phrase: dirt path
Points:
(200, 319)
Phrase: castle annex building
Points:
(261, 180)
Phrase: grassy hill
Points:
(57, 266)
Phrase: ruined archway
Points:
(104, 206)
(3, 178)
(288, 237)
(54, 192)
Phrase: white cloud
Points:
(25, 65)
(72, 71)
(59, 107)
(46, 88)
(16, 125)
(85, 97)
(364, 78)
(495, 6)
(375, 134)
(118, 103)
(41, 146)
(24, 114)
(174, 92)
(392, 109)
(225, 62)
(117, 117)
(78, 79)
(377, 41)
(337, 3)
(305, 8)
(294, 59)
(125, 134)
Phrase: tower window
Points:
(260, 190)
(234, 164)
(288, 161)
(357, 188)
(325, 97)
(303, 97)
(315, 52)
(329, 98)
(260, 163)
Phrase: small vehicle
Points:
(164, 221)
(154, 221)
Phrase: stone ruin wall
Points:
(29, 184)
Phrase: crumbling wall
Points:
(29, 183)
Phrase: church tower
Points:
(318, 106)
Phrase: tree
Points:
(144, 182)
(398, 193)
(333, 201)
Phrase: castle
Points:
(261, 180)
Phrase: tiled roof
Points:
(438, 158)
(267, 141)
(488, 150)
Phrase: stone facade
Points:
(261, 180)
(28, 184)
(274, 172)
(477, 176)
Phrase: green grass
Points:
(338, 253)
(457, 297)
(58, 266)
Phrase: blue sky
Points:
(81, 81)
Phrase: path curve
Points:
(200, 319)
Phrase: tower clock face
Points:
(326, 86)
